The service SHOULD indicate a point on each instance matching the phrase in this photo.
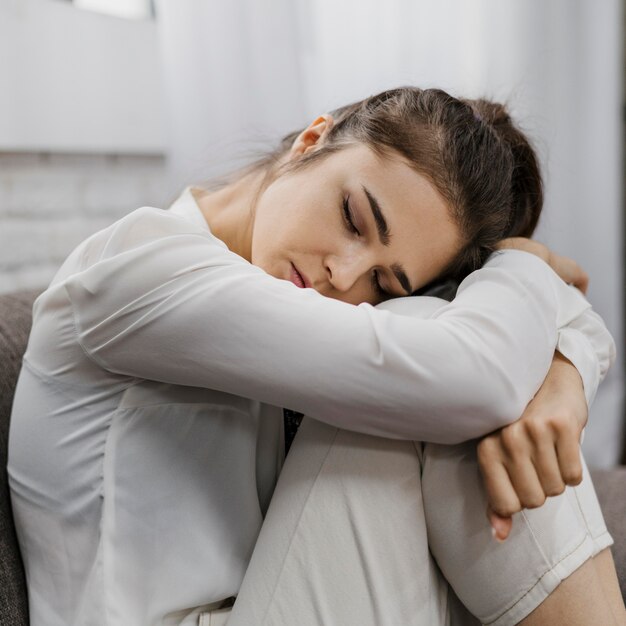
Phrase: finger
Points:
(517, 446)
(525, 481)
(501, 526)
(547, 467)
(580, 279)
(566, 268)
(501, 496)
(570, 272)
(583, 283)
(568, 455)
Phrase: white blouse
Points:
(145, 436)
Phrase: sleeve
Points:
(587, 343)
(585, 340)
(158, 302)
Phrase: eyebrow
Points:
(385, 237)
(381, 223)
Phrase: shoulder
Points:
(144, 231)
(149, 223)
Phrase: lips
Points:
(297, 278)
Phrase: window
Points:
(82, 82)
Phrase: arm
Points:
(157, 300)
(537, 456)
(588, 345)
(585, 341)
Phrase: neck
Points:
(229, 211)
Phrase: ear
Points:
(312, 136)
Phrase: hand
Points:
(536, 456)
(566, 268)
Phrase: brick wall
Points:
(51, 202)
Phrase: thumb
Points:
(501, 526)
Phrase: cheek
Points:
(261, 241)
(263, 248)
(273, 240)
(292, 225)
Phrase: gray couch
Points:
(15, 320)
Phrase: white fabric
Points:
(367, 531)
(167, 292)
(139, 484)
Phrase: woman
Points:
(145, 438)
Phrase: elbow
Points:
(481, 422)
(470, 414)
(484, 420)
(499, 401)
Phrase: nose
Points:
(345, 270)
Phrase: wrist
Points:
(563, 373)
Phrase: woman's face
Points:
(355, 227)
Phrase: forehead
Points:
(424, 235)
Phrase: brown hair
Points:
(470, 150)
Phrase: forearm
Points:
(165, 304)
(539, 454)
(562, 375)
(154, 298)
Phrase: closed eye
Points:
(378, 288)
(347, 217)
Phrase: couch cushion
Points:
(610, 486)
(15, 321)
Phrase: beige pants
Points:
(364, 531)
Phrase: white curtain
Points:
(231, 78)
(238, 72)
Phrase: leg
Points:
(344, 540)
(581, 598)
(605, 568)
(536, 572)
